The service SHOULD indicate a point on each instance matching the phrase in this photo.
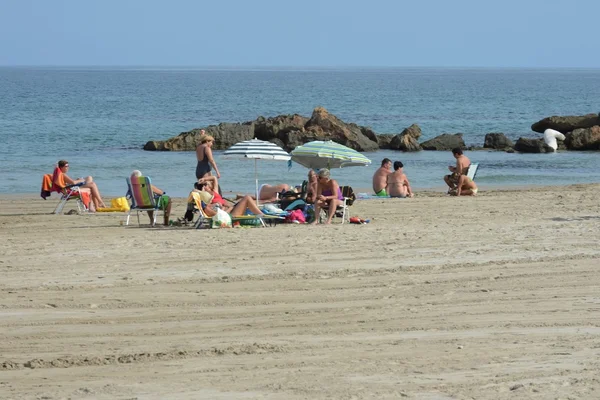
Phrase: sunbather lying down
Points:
(211, 200)
(270, 193)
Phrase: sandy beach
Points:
(492, 297)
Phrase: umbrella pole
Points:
(256, 180)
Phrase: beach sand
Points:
(493, 297)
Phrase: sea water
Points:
(99, 118)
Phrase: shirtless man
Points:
(380, 178)
(461, 168)
(397, 182)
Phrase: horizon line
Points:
(310, 67)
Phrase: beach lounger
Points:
(205, 221)
(143, 199)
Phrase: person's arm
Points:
(69, 181)
(157, 191)
(458, 167)
(318, 192)
(213, 179)
(408, 188)
(209, 211)
(208, 154)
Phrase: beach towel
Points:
(46, 186)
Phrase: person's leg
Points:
(333, 205)
(151, 216)
(96, 198)
(449, 181)
(167, 211)
(318, 206)
(245, 203)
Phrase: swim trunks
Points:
(163, 202)
(381, 193)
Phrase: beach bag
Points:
(221, 219)
(120, 203)
(296, 216)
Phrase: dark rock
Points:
(384, 140)
(567, 123)
(497, 141)
(288, 131)
(407, 140)
(326, 126)
(225, 134)
(529, 145)
(584, 139)
(277, 127)
(447, 141)
(370, 133)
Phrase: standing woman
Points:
(205, 157)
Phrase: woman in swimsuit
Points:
(212, 186)
(466, 186)
(237, 210)
(328, 193)
(205, 157)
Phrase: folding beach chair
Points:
(472, 171)
(71, 192)
(139, 191)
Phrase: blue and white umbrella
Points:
(329, 154)
(258, 150)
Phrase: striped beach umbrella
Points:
(258, 150)
(329, 154)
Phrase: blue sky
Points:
(453, 33)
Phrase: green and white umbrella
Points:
(329, 154)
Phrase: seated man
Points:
(164, 202)
(466, 186)
(397, 182)
(380, 178)
(311, 187)
(461, 168)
